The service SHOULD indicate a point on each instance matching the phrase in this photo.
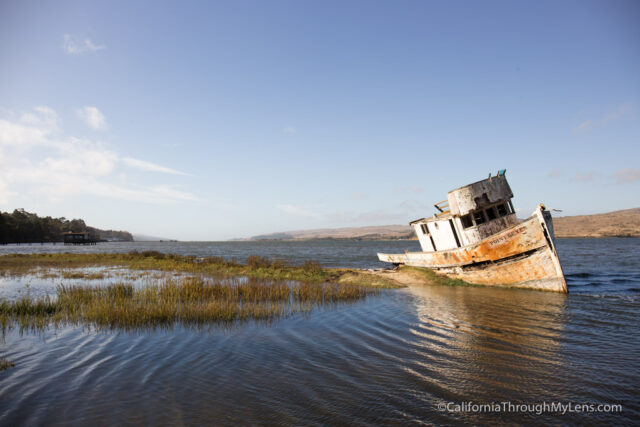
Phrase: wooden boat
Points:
(476, 237)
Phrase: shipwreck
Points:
(476, 237)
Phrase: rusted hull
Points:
(522, 256)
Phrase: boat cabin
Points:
(469, 215)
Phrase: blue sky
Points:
(215, 120)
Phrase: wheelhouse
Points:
(468, 215)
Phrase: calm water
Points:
(390, 359)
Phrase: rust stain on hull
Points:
(521, 256)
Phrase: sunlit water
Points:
(391, 358)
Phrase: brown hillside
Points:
(382, 232)
(613, 224)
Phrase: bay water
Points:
(422, 354)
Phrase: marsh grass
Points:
(359, 278)
(6, 364)
(189, 301)
(47, 274)
(85, 275)
(256, 267)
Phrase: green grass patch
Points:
(362, 278)
(434, 278)
(256, 267)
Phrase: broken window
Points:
(479, 218)
(466, 221)
(491, 213)
(502, 209)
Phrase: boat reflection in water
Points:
(488, 345)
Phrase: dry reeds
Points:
(191, 301)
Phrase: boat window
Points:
(466, 221)
(491, 213)
(478, 217)
(511, 210)
(425, 230)
(502, 209)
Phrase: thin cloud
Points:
(364, 218)
(38, 161)
(289, 129)
(150, 167)
(626, 176)
(410, 189)
(585, 126)
(377, 216)
(78, 46)
(297, 210)
(359, 196)
(92, 117)
(618, 113)
(554, 174)
(585, 176)
(41, 116)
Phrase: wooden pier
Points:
(78, 238)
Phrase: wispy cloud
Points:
(554, 174)
(41, 116)
(590, 124)
(618, 113)
(297, 211)
(37, 160)
(289, 129)
(376, 216)
(585, 126)
(77, 46)
(344, 217)
(409, 189)
(92, 117)
(626, 176)
(150, 167)
(585, 176)
(359, 196)
(373, 217)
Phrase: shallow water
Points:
(392, 358)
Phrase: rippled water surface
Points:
(391, 358)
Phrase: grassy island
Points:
(189, 290)
(256, 267)
(185, 289)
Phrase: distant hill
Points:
(613, 224)
(379, 232)
(625, 223)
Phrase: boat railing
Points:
(443, 207)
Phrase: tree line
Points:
(25, 227)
